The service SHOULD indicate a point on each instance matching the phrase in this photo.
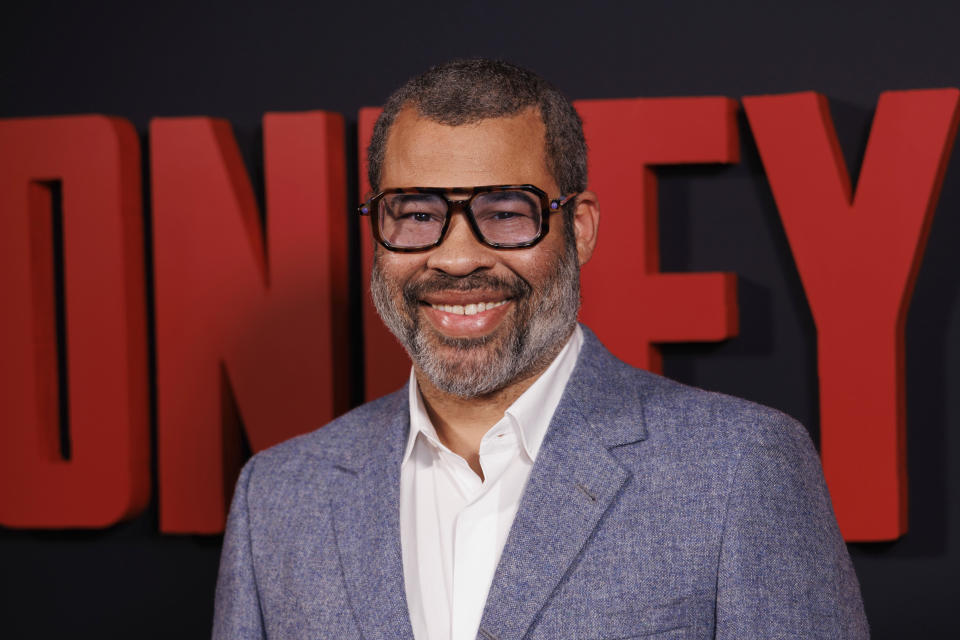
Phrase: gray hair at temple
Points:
(467, 91)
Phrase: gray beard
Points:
(541, 323)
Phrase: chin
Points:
(466, 367)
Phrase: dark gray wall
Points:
(225, 59)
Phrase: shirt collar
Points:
(419, 420)
(530, 413)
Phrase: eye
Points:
(417, 216)
(504, 212)
(415, 208)
(505, 206)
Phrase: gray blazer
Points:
(654, 510)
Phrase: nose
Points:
(460, 253)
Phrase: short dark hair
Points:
(467, 91)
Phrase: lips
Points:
(465, 307)
(461, 314)
(468, 309)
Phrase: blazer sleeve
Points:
(784, 568)
(237, 614)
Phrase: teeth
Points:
(470, 309)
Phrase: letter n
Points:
(250, 316)
(386, 365)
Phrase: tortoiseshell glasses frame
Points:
(412, 219)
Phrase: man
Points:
(526, 483)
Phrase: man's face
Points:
(475, 319)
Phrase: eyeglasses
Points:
(501, 216)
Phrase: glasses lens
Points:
(507, 217)
(411, 219)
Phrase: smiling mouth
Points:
(468, 309)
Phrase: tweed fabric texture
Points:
(653, 510)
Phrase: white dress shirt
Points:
(453, 525)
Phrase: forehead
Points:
(425, 153)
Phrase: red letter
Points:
(626, 300)
(250, 321)
(386, 365)
(858, 258)
(103, 475)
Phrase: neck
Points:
(462, 422)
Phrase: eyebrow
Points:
(507, 195)
(415, 197)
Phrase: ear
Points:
(586, 222)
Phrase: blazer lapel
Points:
(366, 510)
(572, 484)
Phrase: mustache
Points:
(516, 287)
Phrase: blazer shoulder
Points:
(715, 414)
(699, 438)
(618, 395)
(347, 438)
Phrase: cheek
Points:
(537, 267)
(397, 268)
